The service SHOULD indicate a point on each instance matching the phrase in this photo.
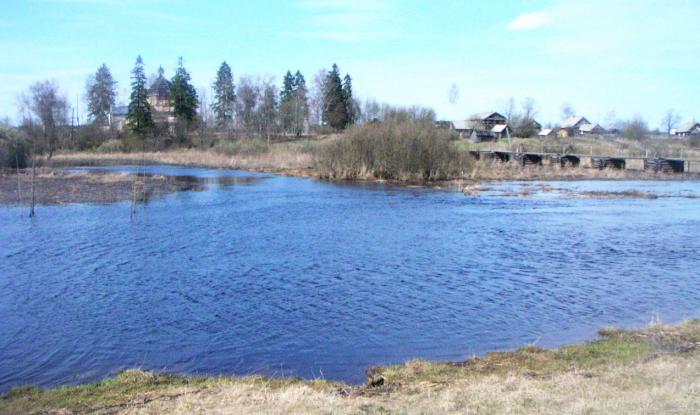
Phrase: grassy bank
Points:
(398, 152)
(652, 370)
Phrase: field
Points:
(652, 370)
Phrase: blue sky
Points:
(602, 56)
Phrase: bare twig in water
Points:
(31, 209)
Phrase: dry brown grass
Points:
(285, 158)
(651, 371)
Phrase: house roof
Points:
(499, 128)
(587, 128)
(688, 127)
(121, 110)
(545, 132)
(485, 115)
(465, 124)
(574, 121)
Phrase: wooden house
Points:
(572, 126)
(485, 126)
(547, 132)
(688, 129)
(118, 117)
(591, 129)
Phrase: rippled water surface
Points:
(290, 276)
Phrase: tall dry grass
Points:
(284, 157)
(392, 150)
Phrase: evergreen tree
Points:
(334, 108)
(184, 95)
(101, 95)
(224, 95)
(139, 118)
(348, 100)
(287, 104)
(301, 103)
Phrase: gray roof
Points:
(121, 110)
(485, 115)
(463, 124)
(499, 128)
(545, 132)
(587, 128)
(571, 122)
(687, 127)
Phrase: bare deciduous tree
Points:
(50, 108)
(567, 111)
(248, 94)
(316, 103)
(670, 121)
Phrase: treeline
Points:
(248, 108)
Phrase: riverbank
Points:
(297, 159)
(652, 370)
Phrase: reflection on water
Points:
(222, 178)
(289, 276)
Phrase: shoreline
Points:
(57, 186)
(649, 369)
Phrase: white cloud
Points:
(529, 21)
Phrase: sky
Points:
(607, 58)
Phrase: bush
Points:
(393, 150)
(111, 146)
(14, 149)
(246, 147)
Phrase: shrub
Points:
(694, 141)
(111, 146)
(393, 150)
(246, 147)
(14, 149)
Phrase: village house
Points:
(591, 129)
(118, 117)
(687, 129)
(485, 126)
(572, 126)
(547, 132)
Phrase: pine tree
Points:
(348, 100)
(301, 103)
(224, 95)
(287, 102)
(139, 118)
(101, 95)
(184, 95)
(334, 109)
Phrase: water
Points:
(290, 276)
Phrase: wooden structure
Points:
(617, 163)
(656, 164)
(688, 129)
(665, 165)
